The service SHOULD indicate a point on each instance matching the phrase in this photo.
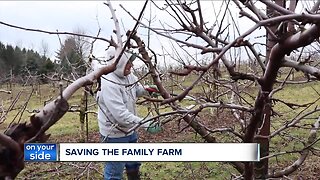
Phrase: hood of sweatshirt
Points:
(122, 62)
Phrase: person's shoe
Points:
(133, 175)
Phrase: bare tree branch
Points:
(53, 32)
(304, 154)
(5, 91)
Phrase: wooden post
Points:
(82, 115)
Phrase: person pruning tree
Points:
(117, 113)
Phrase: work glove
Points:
(152, 127)
(152, 90)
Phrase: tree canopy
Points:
(21, 62)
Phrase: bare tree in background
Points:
(241, 91)
(44, 48)
(291, 38)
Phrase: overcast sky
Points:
(64, 16)
(67, 16)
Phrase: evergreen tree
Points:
(71, 56)
(22, 62)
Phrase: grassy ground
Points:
(68, 130)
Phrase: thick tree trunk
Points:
(261, 168)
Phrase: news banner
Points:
(161, 152)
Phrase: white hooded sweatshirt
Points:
(117, 102)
